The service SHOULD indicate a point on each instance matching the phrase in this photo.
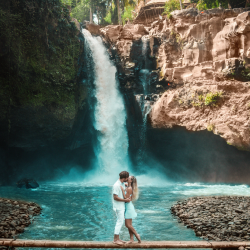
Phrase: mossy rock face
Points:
(39, 52)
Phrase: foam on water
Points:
(212, 189)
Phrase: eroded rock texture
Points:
(204, 59)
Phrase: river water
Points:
(78, 211)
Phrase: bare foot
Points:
(130, 242)
(122, 241)
(118, 242)
(138, 238)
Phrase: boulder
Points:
(93, 28)
(27, 183)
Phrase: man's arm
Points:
(120, 199)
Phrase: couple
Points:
(123, 206)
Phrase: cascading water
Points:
(109, 110)
(145, 105)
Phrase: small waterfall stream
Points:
(145, 105)
(109, 110)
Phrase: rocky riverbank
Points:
(16, 216)
(218, 218)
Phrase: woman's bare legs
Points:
(128, 224)
(130, 233)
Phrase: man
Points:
(119, 205)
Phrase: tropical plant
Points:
(170, 6)
(107, 18)
(127, 15)
(81, 11)
(210, 4)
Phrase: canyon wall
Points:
(44, 112)
(198, 65)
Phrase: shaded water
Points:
(73, 211)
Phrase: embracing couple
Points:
(123, 195)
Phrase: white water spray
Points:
(110, 115)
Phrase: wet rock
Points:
(15, 216)
(27, 183)
(216, 218)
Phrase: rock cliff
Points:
(198, 64)
(40, 90)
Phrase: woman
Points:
(131, 191)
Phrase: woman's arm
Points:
(128, 193)
(120, 199)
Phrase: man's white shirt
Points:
(118, 205)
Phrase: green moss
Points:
(242, 148)
(212, 98)
(38, 64)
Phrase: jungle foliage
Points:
(170, 6)
(210, 4)
(104, 11)
(39, 49)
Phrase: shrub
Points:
(211, 4)
(210, 127)
(212, 98)
(246, 73)
(170, 6)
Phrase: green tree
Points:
(210, 4)
(170, 6)
(81, 11)
(127, 15)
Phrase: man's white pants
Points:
(119, 220)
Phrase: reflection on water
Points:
(78, 212)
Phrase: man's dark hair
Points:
(124, 174)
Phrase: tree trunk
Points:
(181, 4)
(90, 15)
(119, 12)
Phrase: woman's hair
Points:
(135, 194)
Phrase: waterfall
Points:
(144, 100)
(144, 46)
(145, 40)
(145, 105)
(144, 76)
(109, 111)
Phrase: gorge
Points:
(167, 102)
(165, 74)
